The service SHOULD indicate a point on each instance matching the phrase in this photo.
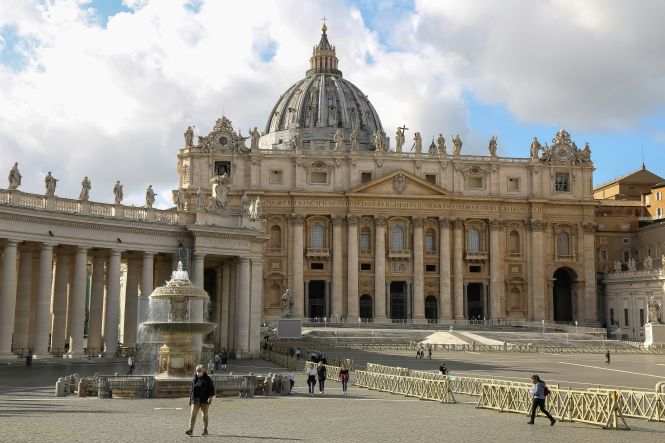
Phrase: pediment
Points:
(399, 183)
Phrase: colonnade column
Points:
(224, 320)
(496, 266)
(337, 282)
(352, 268)
(537, 274)
(380, 267)
(256, 306)
(197, 306)
(418, 269)
(445, 304)
(112, 307)
(77, 322)
(590, 294)
(297, 267)
(458, 265)
(147, 274)
(95, 318)
(131, 302)
(42, 314)
(242, 307)
(7, 297)
(59, 305)
(23, 296)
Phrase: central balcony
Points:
(475, 256)
(399, 254)
(318, 252)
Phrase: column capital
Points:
(589, 228)
(80, 248)
(296, 219)
(535, 225)
(380, 220)
(114, 252)
(46, 246)
(352, 219)
(495, 224)
(199, 255)
(458, 223)
(418, 221)
(337, 220)
(11, 243)
(149, 253)
(243, 260)
(444, 222)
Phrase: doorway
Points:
(366, 309)
(398, 300)
(317, 299)
(475, 306)
(562, 295)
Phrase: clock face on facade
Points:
(222, 139)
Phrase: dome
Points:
(319, 105)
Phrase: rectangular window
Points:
(474, 182)
(611, 317)
(603, 255)
(601, 226)
(626, 241)
(659, 196)
(318, 177)
(430, 268)
(513, 184)
(316, 266)
(626, 255)
(562, 183)
(429, 243)
(430, 178)
(624, 226)
(602, 240)
(365, 266)
(364, 242)
(222, 168)
(641, 317)
(365, 177)
(659, 212)
(276, 177)
(475, 268)
(625, 317)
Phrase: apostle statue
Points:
(378, 141)
(399, 139)
(617, 266)
(85, 189)
(149, 197)
(50, 183)
(492, 147)
(244, 209)
(648, 263)
(535, 147)
(354, 140)
(339, 140)
(457, 142)
(200, 199)
(14, 177)
(587, 153)
(220, 189)
(117, 192)
(632, 265)
(240, 143)
(298, 139)
(255, 211)
(441, 145)
(654, 311)
(255, 135)
(287, 304)
(180, 199)
(189, 137)
(417, 143)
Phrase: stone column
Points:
(23, 296)
(197, 306)
(7, 298)
(77, 321)
(297, 266)
(496, 274)
(537, 274)
(590, 293)
(95, 318)
(306, 291)
(59, 306)
(42, 314)
(242, 307)
(147, 274)
(129, 326)
(458, 267)
(445, 303)
(380, 267)
(224, 320)
(112, 308)
(418, 269)
(337, 281)
(256, 306)
(352, 268)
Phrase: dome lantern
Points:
(324, 59)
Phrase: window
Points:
(602, 240)
(475, 269)
(430, 242)
(316, 266)
(276, 177)
(473, 240)
(474, 182)
(514, 243)
(430, 268)
(430, 178)
(275, 237)
(659, 196)
(397, 238)
(626, 241)
(641, 317)
(365, 266)
(562, 183)
(626, 255)
(222, 168)
(365, 177)
(625, 317)
(563, 244)
(659, 212)
(624, 226)
(611, 317)
(316, 237)
(603, 255)
(365, 240)
(601, 226)
(318, 177)
(513, 184)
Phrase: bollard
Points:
(60, 388)
(81, 388)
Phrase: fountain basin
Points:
(165, 328)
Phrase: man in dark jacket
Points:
(200, 398)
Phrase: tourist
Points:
(130, 363)
(218, 360)
(344, 378)
(539, 391)
(607, 358)
(291, 352)
(200, 398)
(321, 372)
(298, 353)
(443, 370)
(429, 352)
(66, 347)
(292, 381)
(311, 378)
(225, 358)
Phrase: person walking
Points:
(298, 353)
(311, 378)
(130, 363)
(539, 391)
(443, 370)
(429, 352)
(292, 380)
(218, 361)
(224, 359)
(321, 372)
(200, 398)
(607, 358)
(344, 378)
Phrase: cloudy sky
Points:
(105, 88)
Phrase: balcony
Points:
(399, 254)
(276, 251)
(318, 252)
(475, 256)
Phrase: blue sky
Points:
(115, 76)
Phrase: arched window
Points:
(366, 310)
(563, 244)
(514, 242)
(473, 240)
(275, 237)
(316, 237)
(430, 241)
(397, 238)
(365, 239)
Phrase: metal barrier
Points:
(389, 370)
(643, 405)
(602, 408)
(436, 390)
(139, 385)
(524, 348)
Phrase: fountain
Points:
(177, 357)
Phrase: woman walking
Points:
(539, 391)
(311, 378)
(344, 378)
(321, 372)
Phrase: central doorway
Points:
(562, 295)
(398, 300)
(317, 298)
(475, 307)
(366, 310)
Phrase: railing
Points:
(135, 213)
(166, 217)
(32, 201)
(643, 405)
(318, 252)
(399, 253)
(64, 205)
(436, 390)
(474, 255)
(5, 197)
(101, 209)
(389, 370)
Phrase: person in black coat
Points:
(322, 374)
(200, 398)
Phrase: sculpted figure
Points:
(149, 197)
(441, 145)
(339, 140)
(255, 209)
(255, 135)
(535, 147)
(417, 143)
(354, 140)
(14, 177)
(220, 189)
(399, 140)
(85, 189)
(378, 141)
(492, 147)
(240, 144)
(298, 139)
(662, 261)
(654, 312)
(587, 152)
(180, 199)
(457, 142)
(245, 204)
(632, 264)
(287, 304)
(617, 266)
(189, 137)
(648, 263)
(117, 192)
(200, 199)
(50, 183)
